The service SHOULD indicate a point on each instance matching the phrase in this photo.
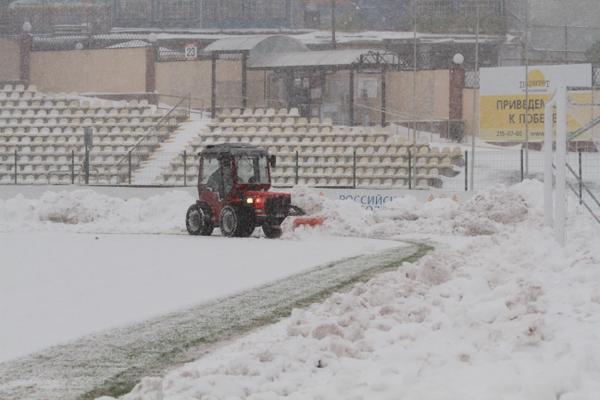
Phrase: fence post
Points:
(184, 168)
(522, 167)
(354, 168)
(16, 156)
(466, 170)
(297, 167)
(189, 108)
(580, 179)
(87, 165)
(129, 167)
(72, 167)
(409, 169)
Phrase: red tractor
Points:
(233, 188)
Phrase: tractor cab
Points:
(227, 167)
(233, 191)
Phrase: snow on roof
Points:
(263, 43)
(306, 37)
(309, 58)
(133, 44)
(237, 43)
(130, 44)
(324, 37)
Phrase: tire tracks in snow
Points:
(113, 362)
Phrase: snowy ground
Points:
(75, 284)
(497, 311)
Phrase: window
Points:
(270, 9)
(233, 8)
(134, 9)
(177, 9)
(211, 10)
(253, 170)
(210, 174)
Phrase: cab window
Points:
(210, 173)
(252, 169)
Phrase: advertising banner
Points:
(502, 100)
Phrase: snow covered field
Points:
(497, 311)
(68, 269)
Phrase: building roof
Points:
(258, 43)
(236, 43)
(130, 44)
(325, 58)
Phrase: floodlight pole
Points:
(566, 44)
(526, 51)
(414, 82)
(475, 122)
(333, 41)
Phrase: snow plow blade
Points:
(311, 222)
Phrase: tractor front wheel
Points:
(272, 231)
(229, 222)
(236, 222)
(197, 221)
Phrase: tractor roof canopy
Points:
(234, 149)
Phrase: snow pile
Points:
(505, 314)
(89, 211)
(484, 214)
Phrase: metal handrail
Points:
(583, 185)
(580, 181)
(584, 129)
(153, 129)
(584, 203)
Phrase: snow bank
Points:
(92, 212)
(484, 214)
(89, 211)
(497, 311)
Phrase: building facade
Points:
(4, 18)
(559, 31)
(55, 16)
(436, 16)
(208, 14)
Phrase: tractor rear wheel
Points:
(197, 220)
(272, 231)
(247, 221)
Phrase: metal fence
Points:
(491, 167)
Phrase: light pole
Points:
(333, 41)
(526, 51)
(475, 119)
(414, 80)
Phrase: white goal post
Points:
(555, 209)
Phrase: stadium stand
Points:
(42, 135)
(326, 155)
(42, 142)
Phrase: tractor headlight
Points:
(250, 200)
